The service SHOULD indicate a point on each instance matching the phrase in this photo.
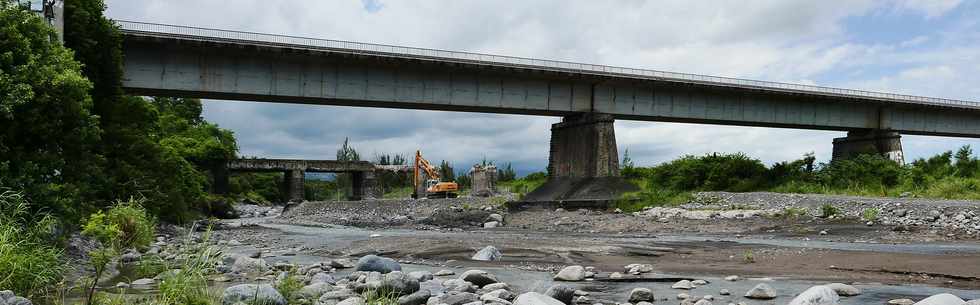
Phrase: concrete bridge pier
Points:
(364, 185)
(583, 146)
(293, 184)
(870, 141)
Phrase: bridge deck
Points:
(259, 165)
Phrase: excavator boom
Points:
(436, 189)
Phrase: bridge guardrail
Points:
(207, 34)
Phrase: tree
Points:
(507, 173)
(966, 165)
(46, 143)
(627, 161)
(446, 171)
(346, 153)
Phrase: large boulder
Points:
(942, 299)
(315, 290)
(817, 295)
(478, 277)
(761, 292)
(488, 253)
(416, 298)
(355, 300)
(334, 297)
(561, 293)
(503, 294)
(683, 284)
(641, 295)
(7, 297)
(534, 298)
(458, 285)
(378, 264)
(973, 302)
(844, 290)
(252, 294)
(399, 283)
(571, 273)
(421, 276)
(244, 264)
(454, 298)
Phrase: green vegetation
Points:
(289, 287)
(29, 261)
(828, 210)
(524, 185)
(125, 225)
(189, 286)
(945, 176)
(380, 297)
(870, 214)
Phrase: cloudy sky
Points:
(920, 47)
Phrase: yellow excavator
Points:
(433, 187)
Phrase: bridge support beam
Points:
(583, 146)
(220, 183)
(873, 141)
(293, 184)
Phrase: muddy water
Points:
(333, 237)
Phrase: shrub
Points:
(828, 210)
(29, 262)
(290, 286)
(125, 225)
(713, 172)
(870, 214)
(190, 285)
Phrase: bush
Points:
(125, 225)
(714, 172)
(29, 262)
(828, 210)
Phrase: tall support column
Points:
(873, 141)
(365, 185)
(220, 175)
(294, 179)
(583, 146)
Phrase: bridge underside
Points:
(217, 70)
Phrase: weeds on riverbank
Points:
(943, 176)
(29, 260)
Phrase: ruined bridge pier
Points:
(364, 184)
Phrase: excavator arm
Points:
(447, 189)
(425, 165)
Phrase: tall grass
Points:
(189, 286)
(30, 262)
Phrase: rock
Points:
(615, 275)
(496, 286)
(683, 284)
(724, 292)
(823, 232)
(494, 301)
(130, 256)
(901, 302)
(454, 298)
(334, 297)
(844, 290)
(121, 285)
(245, 264)
(492, 224)
(761, 292)
(399, 283)
(941, 299)
(342, 263)
(571, 273)
(703, 302)
(252, 294)
(458, 285)
(143, 282)
(416, 298)
(421, 276)
(534, 298)
(478, 277)
(315, 290)
(683, 296)
(501, 294)
(641, 294)
(973, 302)
(817, 295)
(496, 217)
(356, 300)
(323, 277)
(561, 293)
(444, 273)
(377, 263)
(488, 253)
(731, 278)
(16, 300)
(699, 282)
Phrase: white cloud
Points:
(929, 8)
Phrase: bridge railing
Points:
(206, 34)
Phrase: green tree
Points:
(446, 171)
(46, 143)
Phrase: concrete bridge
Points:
(182, 61)
(362, 173)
